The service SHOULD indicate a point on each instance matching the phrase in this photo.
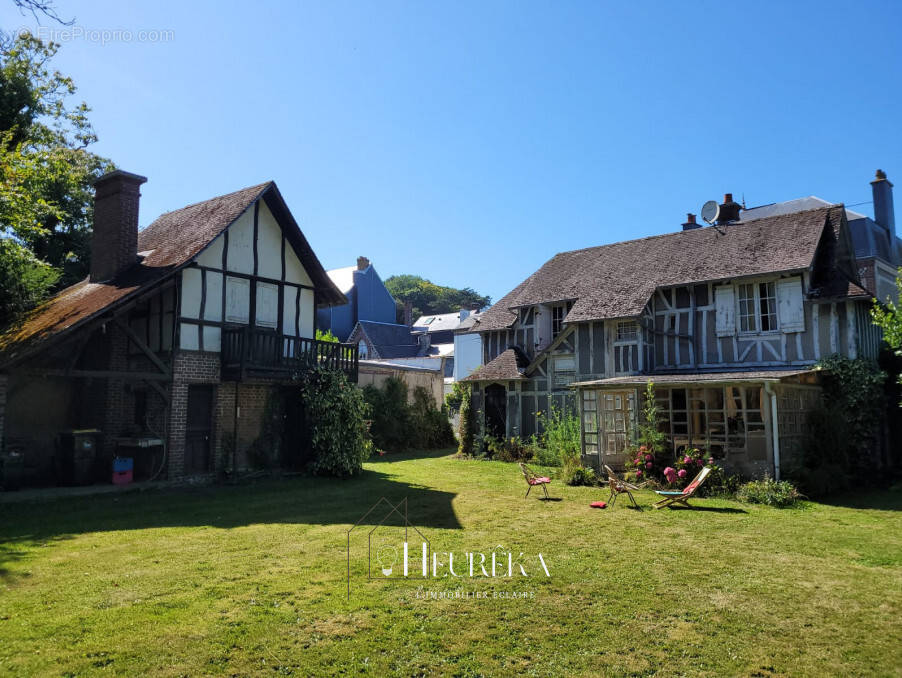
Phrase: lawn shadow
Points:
(877, 500)
(550, 498)
(407, 455)
(707, 509)
(299, 500)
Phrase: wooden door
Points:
(199, 429)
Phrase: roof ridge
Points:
(216, 197)
(693, 230)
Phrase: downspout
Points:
(775, 432)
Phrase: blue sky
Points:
(469, 142)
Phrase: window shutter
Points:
(267, 305)
(790, 307)
(725, 310)
(238, 297)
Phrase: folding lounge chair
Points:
(532, 479)
(619, 486)
(673, 497)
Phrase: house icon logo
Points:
(396, 549)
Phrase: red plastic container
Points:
(122, 477)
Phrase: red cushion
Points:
(598, 504)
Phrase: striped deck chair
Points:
(673, 497)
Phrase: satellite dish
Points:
(710, 211)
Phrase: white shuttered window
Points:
(267, 305)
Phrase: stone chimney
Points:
(408, 313)
(690, 223)
(362, 263)
(884, 214)
(114, 242)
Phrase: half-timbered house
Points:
(168, 351)
(727, 321)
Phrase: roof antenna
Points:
(743, 200)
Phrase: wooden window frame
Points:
(754, 310)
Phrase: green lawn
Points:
(252, 580)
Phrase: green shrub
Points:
(429, 425)
(574, 473)
(454, 399)
(390, 415)
(507, 450)
(398, 426)
(559, 439)
(545, 456)
(335, 414)
(770, 492)
(466, 426)
(719, 484)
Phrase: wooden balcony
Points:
(254, 352)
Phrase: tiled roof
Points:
(468, 323)
(507, 366)
(798, 205)
(168, 244)
(437, 322)
(616, 281)
(389, 340)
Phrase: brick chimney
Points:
(362, 263)
(884, 214)
(690, 223)
(729, 210)
(114, 243)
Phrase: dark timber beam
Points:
(139, 342)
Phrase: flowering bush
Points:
(646, 461)
(688, 464)
(643, 464)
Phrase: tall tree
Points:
(428, 298)
(46, 176)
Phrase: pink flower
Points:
(648, 465)
(681, 473)
(711, 460)
(639, 474)
(643, 448)
(647, 457)
(687, 459)
(670, 474)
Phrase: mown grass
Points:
(251, 580)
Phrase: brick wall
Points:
(252, 399)
(188, 367)
(115, 402)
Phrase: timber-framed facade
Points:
(727, 321)
(169, 351)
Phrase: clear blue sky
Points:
(469, 142)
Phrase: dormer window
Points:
(558, 313)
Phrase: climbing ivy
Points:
(335, 415)
(854, 389)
